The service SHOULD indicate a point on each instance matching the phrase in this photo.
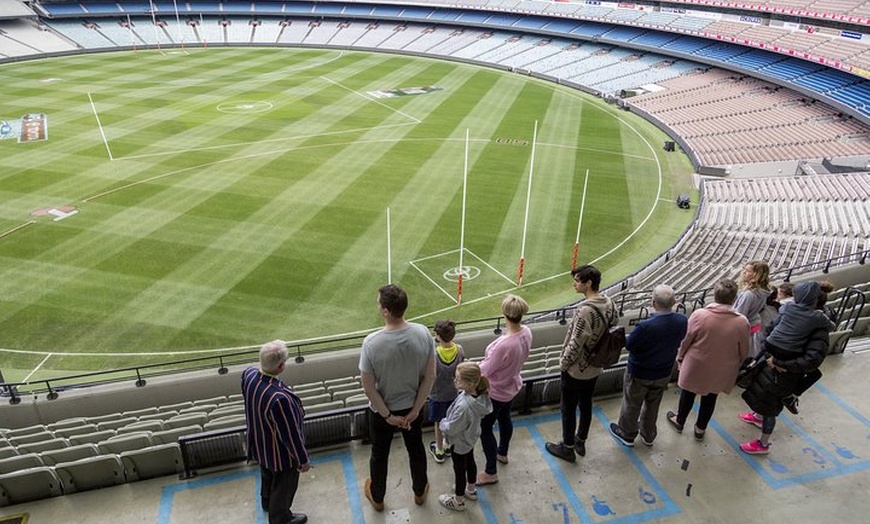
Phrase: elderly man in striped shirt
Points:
(273, 414)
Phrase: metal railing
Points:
(625, 300)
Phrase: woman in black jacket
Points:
(786, 374)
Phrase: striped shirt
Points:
(273, 414)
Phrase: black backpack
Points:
(608, 348)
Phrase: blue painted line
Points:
(668, 507)
(756, 463)
(809, 438)
(750, 460)
(348, 470)
(167, 495)
(843, 405)
(561, 479)
(258, 488)
(485, 506)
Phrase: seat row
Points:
(91, 471)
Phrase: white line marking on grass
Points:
(266, 141)
(37, 367)
(594, 150)
(371, 99)
(427, 277)
(485, 263)
(14, 229)
(264, 153)
(102, 133)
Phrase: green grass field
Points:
(231, 196)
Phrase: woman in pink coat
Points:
(716, 343)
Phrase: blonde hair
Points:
(513, 308)
(469, 372)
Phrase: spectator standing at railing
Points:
(652, 349)
(275, 438)
(502, 362)
(397, 370)
(794, 350)
(448, 355)
(710, 355)
(753, 299)
(592, 317)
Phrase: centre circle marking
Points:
(467, 272)
(244, 106)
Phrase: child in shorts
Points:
(448, 355)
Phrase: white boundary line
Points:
(427, 277)
(424, 315)
(266, 141)
(263, 153)
(485, 263)
(16, 228)
(37, 367)
(370, 99)
(413, 264)
(99, 125)
(413, 121)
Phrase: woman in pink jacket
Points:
(716, 343)
(502, 362)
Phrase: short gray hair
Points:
(663, 296)
(272, 355)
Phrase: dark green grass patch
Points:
(223, 221)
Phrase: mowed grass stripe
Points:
(345, 176)
(550, 239)
(130, 134)
(418, 204)
(220, 275)
(280, 238)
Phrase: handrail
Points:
(625, 300)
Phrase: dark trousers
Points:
(382, 439)
(705, 411)
(576, 394)
(767, 424)
(277, 489)
(640, 405)
(464, 471)
(501, 412)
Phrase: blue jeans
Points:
(501, 411)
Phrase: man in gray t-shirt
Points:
(397, 369)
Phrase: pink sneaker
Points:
(750, 418)
(755, 447)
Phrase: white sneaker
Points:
(449, 501)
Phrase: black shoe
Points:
(560, 450)
(699, 434)
(672, 418)
(298, 518)
(580, 445)
(791, 404)
(621, 435)
(646, 441)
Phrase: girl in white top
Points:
(461, 428)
